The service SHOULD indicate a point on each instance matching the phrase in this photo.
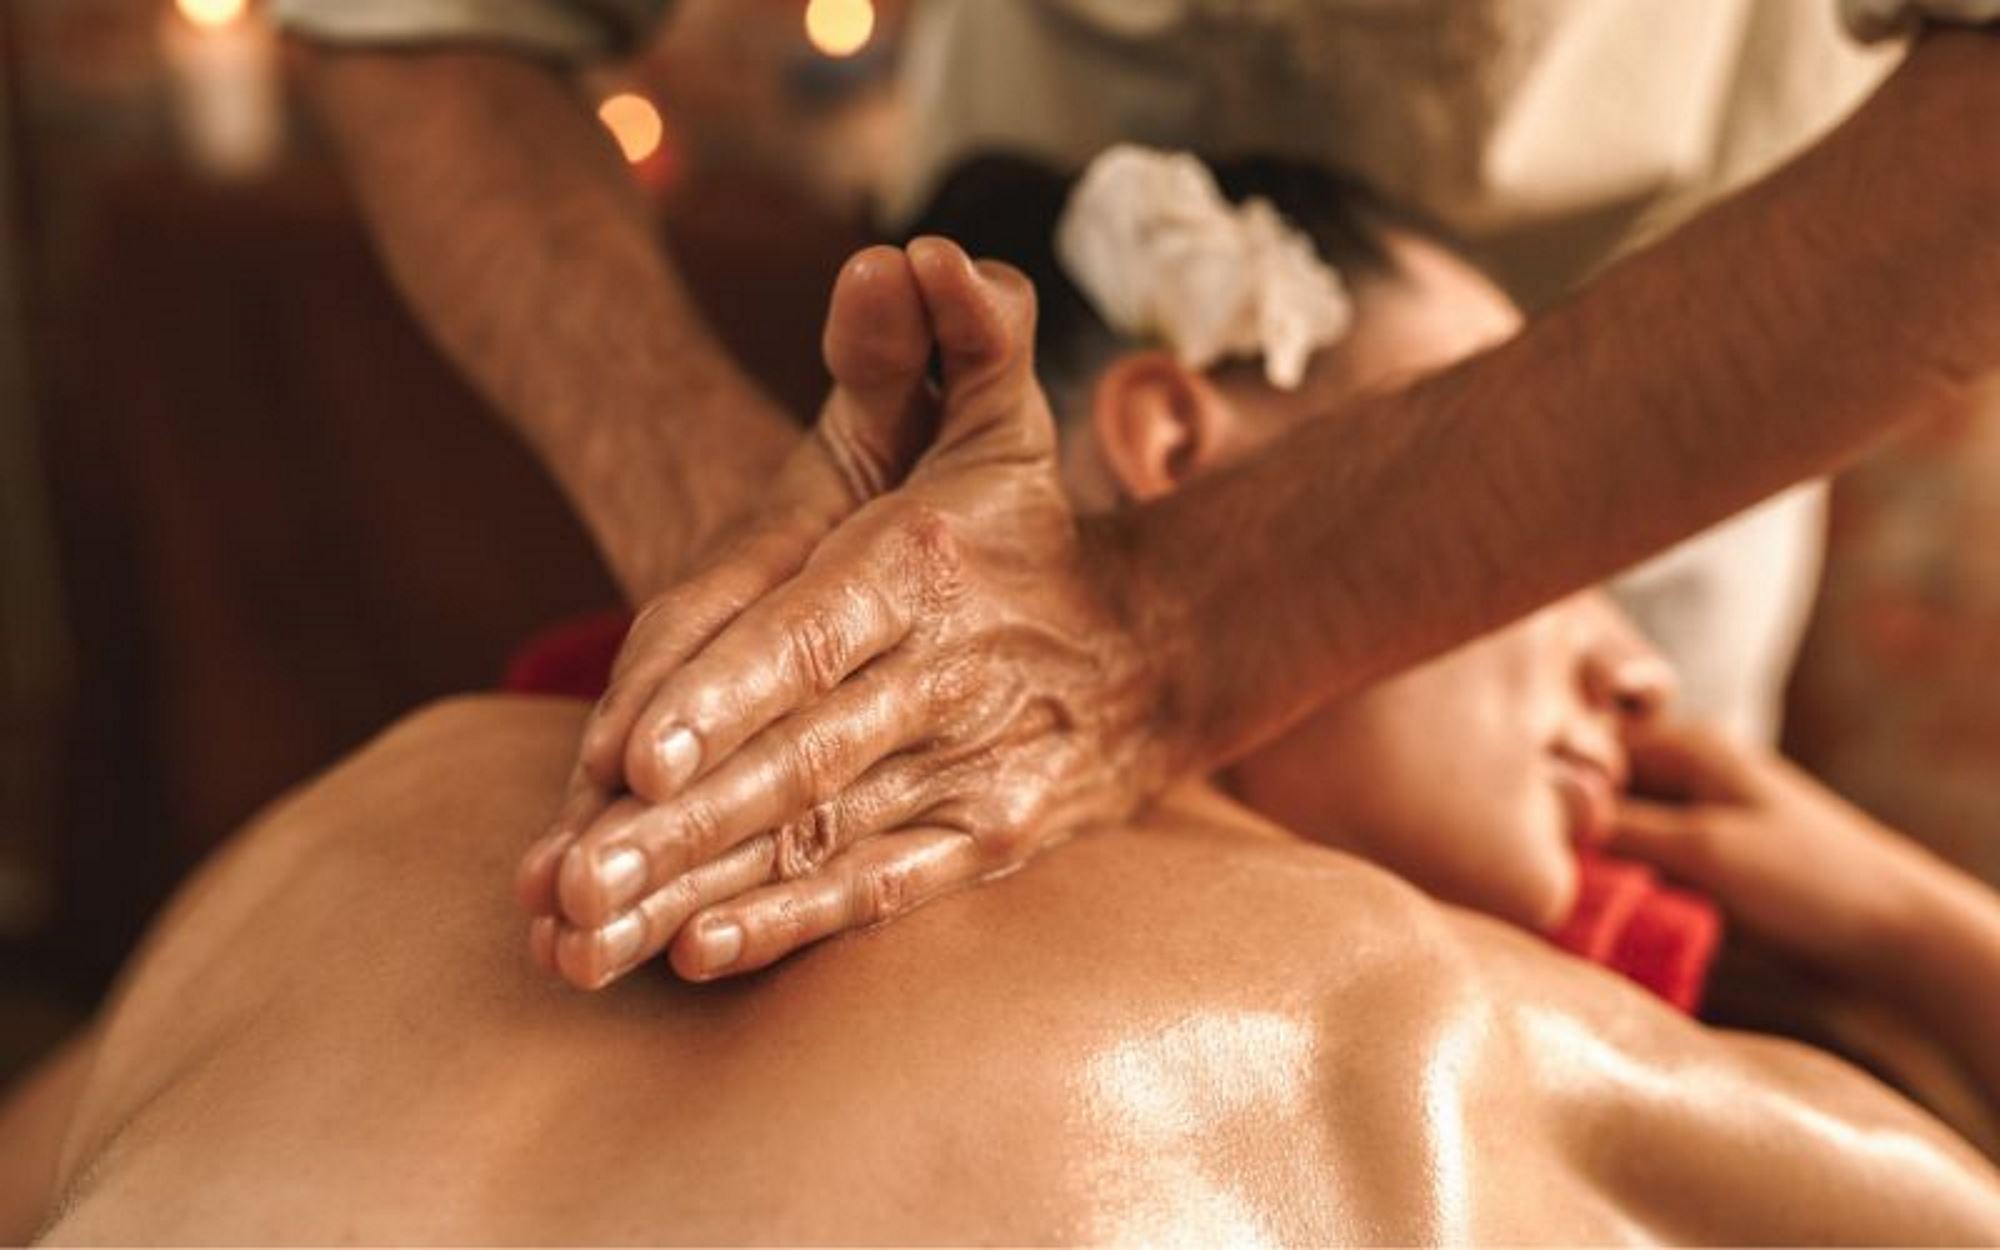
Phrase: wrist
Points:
(1150, 633)
(659, 475)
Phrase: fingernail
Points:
(619, 943)
(721, 946)
(680, 755)
(621, 877)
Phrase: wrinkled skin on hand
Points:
(940, 689)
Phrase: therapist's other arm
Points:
(510, 223)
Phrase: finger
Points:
(878, 347)
(779, 656)
(676, 625)
(638, 849)
(984, 318)
(535, 877)
(875, 881)
(593, 957)
(1680, 839)
(542, 931)
(983, 314)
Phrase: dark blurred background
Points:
(247, 515)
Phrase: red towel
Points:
(1625, 919)
(1628, 921)
(571, 659)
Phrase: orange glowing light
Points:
(211, 14)
(840, 27)
(634, 123)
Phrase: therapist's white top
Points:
(1548, 134)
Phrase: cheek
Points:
(1492, 838)
(1469, 817)
(1513, 850)
(1533, 882)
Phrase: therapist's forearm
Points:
(508, 221)
(1780, 334)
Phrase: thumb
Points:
(877, 344)
(983, 315)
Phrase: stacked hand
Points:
(872, 696)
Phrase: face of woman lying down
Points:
(1474, 775)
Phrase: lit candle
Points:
(840, 27)
(641, 133)
(222, 69)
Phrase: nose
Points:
(1623, 674)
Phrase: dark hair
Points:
(1005, 207)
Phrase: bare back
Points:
(1196, 1031)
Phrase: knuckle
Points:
(818, 652)
(884, 892)
(787, 922)
(818, 755)
(697, 828)
(1002, 824)
(1006, 844)
(949, 688)
(932, 547)
(808, 842)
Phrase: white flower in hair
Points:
(1159, 252)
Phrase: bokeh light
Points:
(210, 14)
(634, 123)
(840, 27)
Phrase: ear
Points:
(1158, 423)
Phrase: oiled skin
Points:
(1201, 1030)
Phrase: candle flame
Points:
(634, 123)
(212, 14)
(840, 27)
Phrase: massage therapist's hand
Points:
(879, 416)
(939, 692)
(1797, 866)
